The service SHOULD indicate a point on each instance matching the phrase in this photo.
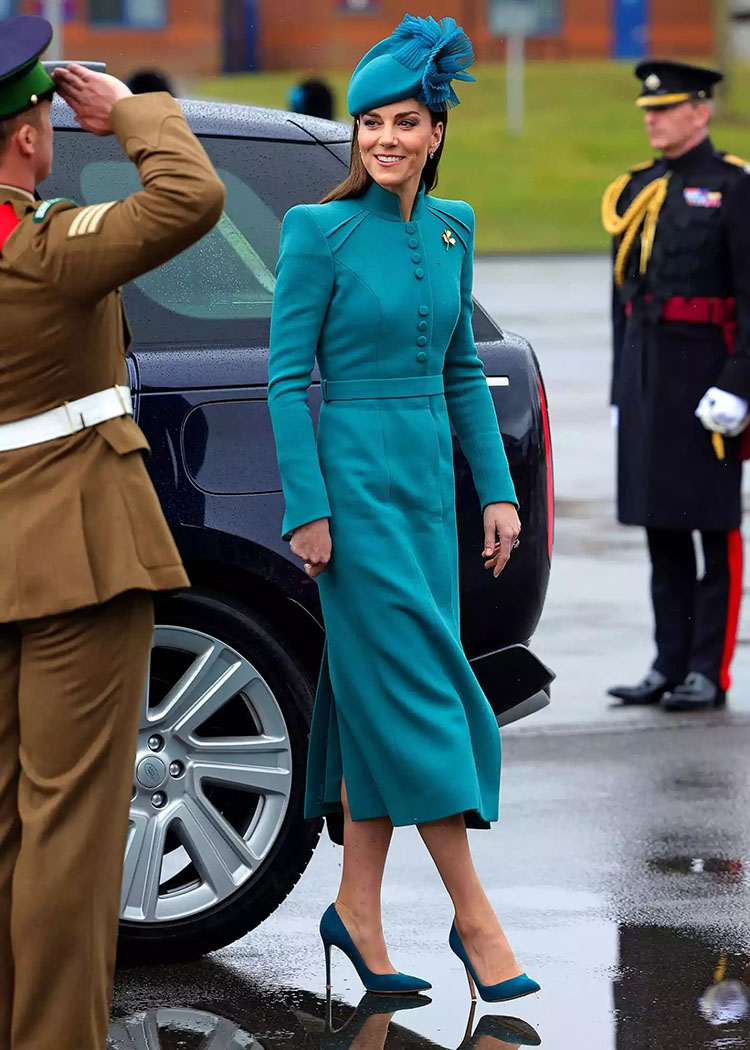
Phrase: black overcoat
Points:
(669, 475)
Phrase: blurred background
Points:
(549, 123)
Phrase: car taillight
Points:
(550, 477)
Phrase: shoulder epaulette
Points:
(615, 190)
(738, 162)
(41, 213)
(642, 167)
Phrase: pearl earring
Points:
(432, 156)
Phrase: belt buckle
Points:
(74, 428)
(121, 399)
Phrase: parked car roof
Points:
(237, 121)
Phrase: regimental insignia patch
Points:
(89, 219)
(41, 213)
(700, 198)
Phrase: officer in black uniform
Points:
(681, 379)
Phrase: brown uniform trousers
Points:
(82, 542)
(70, 700)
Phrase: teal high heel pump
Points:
(515, 988)
(335, 935)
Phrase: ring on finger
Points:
(516, 544)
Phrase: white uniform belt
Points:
(68, 419)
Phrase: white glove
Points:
(723, 412)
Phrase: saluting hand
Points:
(312, 543)
(501, 529)
(91, 96)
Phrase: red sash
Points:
(703, 310)
(8, 222)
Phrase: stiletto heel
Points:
(334, 933)
(515, 988)
(472, 986)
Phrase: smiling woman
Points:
(410, 126)
(377, 283)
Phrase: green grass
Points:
(539, 192)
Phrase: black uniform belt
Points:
(375, 389)
(697, 309)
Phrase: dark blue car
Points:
(217, 837)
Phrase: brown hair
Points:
(358, 181)
(10, 125)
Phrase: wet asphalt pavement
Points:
(621, 863)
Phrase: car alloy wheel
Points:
(213, 779)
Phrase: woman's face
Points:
(395, 141)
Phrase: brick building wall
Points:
(319, 34)
(681, 27)
(314, 34)
(189, 44)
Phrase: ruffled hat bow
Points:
(420, 59)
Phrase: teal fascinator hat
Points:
(420, 59)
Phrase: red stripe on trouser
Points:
(734, 558)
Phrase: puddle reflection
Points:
(661, 987)
(675, 990)
(371, 1026)
(178, 1029)
(728, 869)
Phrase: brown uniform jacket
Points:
(79, 518)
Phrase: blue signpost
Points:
(240, 35)
(631, 28)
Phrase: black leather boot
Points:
(649, 691)
(696, 693)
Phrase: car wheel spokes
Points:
(213, 779)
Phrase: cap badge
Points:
(652, 82)
(448, 238)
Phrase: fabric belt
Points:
(695, 309)
(70, 418)
(375, 389)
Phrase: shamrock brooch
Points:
(448, 238)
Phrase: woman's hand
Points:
(501, 529)
(312, 543)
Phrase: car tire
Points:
(197, 614)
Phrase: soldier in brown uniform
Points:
(83, 541)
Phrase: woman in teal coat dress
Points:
(376, 283)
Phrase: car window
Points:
(221, 289)
(229, 273)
